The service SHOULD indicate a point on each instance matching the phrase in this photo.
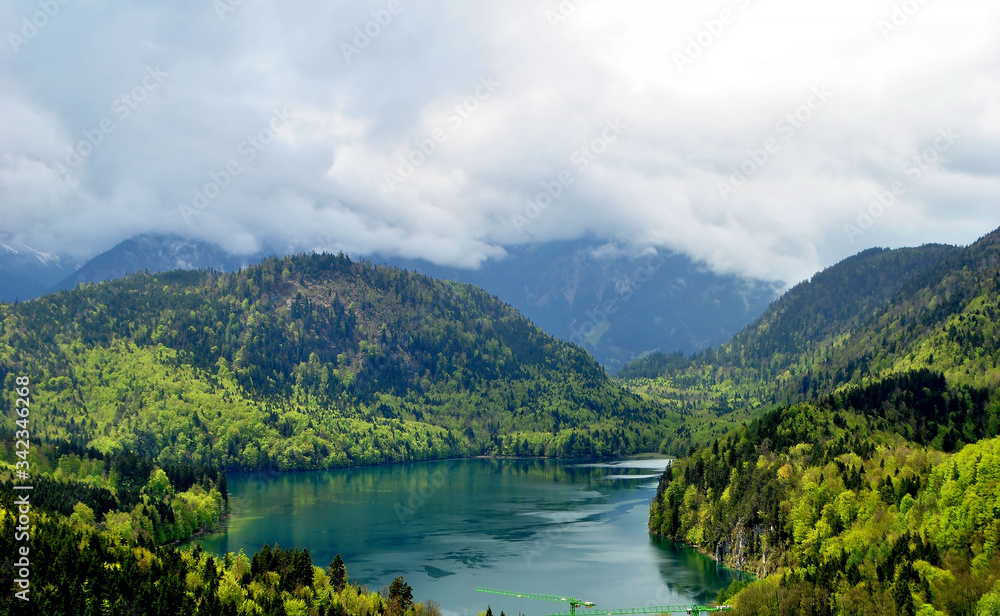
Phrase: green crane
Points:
(573, 603)
(657, 609)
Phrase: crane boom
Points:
(573, 603)
(658, 609)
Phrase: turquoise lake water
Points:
(536, 526)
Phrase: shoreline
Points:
(634, 456)
(706, 554)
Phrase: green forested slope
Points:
(841, 513)
(876, 314)
(866, 479)
(77, 569)
(310, 362)
(830, 304)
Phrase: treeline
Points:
(124, 493)
(921, 406)
(78, 570)
(839, 512)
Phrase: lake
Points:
(538, 526)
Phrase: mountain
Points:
(777, 358)
(26, 273)
(154, 253)
(818, 336)
(617, 304)
(867, 479)
(311, 362)
(835, 301)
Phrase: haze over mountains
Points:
(869, 315)
(26, 273)
(616, 304)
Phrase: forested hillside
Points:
(876, 314)
(863, 503)
(310, 362)
(830, 304)
(78, 569)
(867, 480)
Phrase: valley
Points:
(841, 450)
(391, 308)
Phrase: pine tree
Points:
(401, 591)
(338, 573)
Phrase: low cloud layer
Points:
(767, 138)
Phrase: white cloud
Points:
(322, 181)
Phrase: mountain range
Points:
(843, 448)
(854, 320)
(617, 304)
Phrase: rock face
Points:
(746, 549)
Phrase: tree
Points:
(401, 592)
(338, 573)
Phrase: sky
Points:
(766, 138)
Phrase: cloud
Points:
(450, 130)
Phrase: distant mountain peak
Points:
(26, 272)
(616, 300)
(13, 247)
(156, 253)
